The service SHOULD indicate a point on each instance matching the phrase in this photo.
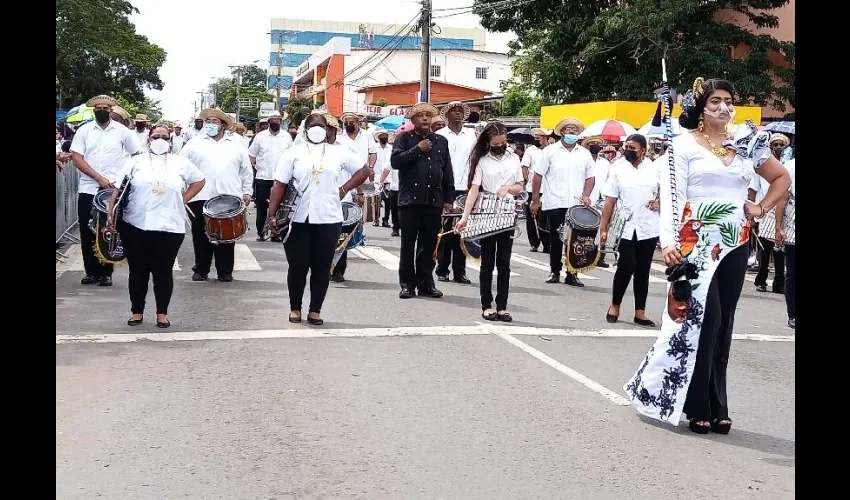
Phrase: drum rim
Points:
(107, 193)
(224, 215)
(346, 222)
(578, 225)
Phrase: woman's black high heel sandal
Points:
(721, 425)
(699, 429)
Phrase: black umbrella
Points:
(521, 135)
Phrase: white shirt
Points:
(601, 171)
(492, 173)
(394, 180)
(343, 175)
(363, 143)
(104, 149)
(460, 151)
(176, 142)
(701, 176)
(634, 187)
(529, 160)
(267, 149)
(564, 173)
(155, 202)
(225, 165)
(316, 169)
(142, 136)
(383, 158)
(191, 133)
(791, 166)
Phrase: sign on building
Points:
(249, 102)
(267, 106)
(386, 110)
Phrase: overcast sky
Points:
(194, 33)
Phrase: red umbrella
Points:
(610, 130)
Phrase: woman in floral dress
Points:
(685, 370)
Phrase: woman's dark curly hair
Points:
(689, 119)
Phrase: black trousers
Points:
(707, 393)
(791, 281)
(449, 253)
(393, 210)
(635, 261)
(310, 247)
(204, 250)
(531, 229)
(150, 253)
(555, 218)
(496, 253)
(419, 227)
(262, 193)
(92, 266)
(764, 261)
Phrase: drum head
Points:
(223, 206)
(351, 213)
(368, 189)
(583, 217)
(459, 203)
(101, 199)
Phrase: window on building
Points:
(435, 71)
(480, 73)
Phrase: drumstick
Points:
(191, 214)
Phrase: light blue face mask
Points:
(570, 139)
(211, 129)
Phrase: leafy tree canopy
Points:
(298, 108)
(99, 52)
(253, 86)
(598, 50)
(517, 101)
(147, 106)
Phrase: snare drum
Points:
(579, 234)
(99, 208)
(226, 219)
(581, 218)
(352, 224)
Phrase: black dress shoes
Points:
(573, 280)
(406, 293)
(105, 281)
(462, 279)
(553, 278)
(430, 292)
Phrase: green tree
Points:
(99, 52)
(298, 108)
(254, 77)
(597, 50)
(517, 101)
(147, 106)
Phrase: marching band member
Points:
(389, 178)
(633, 185)
(426, 189)
(265, 151)
(530, 160)
(315, 165)
(177, 138)
(461, 143)
(438, 123)
(197, 130)
(153, 222)
(685, 371)
(602, 168)
(790, 249)
(141, 121)
(355, 196)
(567, 175)
(382, 164)
(493, 170)
(224, 161)
(99, 149)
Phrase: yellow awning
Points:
(634, 113)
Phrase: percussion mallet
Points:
(191, 214)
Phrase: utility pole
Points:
(279, 69)
(238, 83)
(425, 78)
(202, 99)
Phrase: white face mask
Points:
(159, 146)
(316, 135)
(211, 129)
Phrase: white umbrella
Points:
(649, 131)
(610, 130)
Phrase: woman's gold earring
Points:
(701, 125)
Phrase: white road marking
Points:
(379, 255)
(749, 277)
(244, 259)
(176, 266)
(566, 370)
(543, 266)
(411, 331)
(475, 267)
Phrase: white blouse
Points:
(155, 199)
(634, 187)
(701, 176)
(492, 173)
(317, 169)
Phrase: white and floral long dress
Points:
(711, 223)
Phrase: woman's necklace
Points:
(718, 151)
(159, 186)
(318, 169)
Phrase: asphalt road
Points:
(395, 399)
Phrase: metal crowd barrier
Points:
(67, 182)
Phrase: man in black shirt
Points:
(426, 189)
